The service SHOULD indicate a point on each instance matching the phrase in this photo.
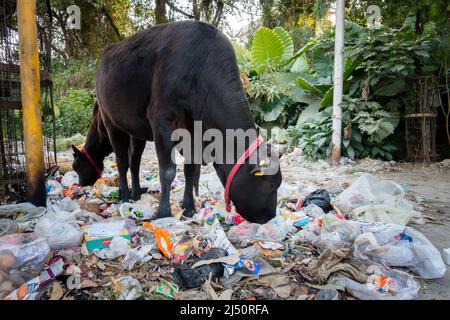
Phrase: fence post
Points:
(31, 92)
(338, 80)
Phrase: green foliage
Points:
(267, 50)
(371, 118)
(62, 144)
(74, 112)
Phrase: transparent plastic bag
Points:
(22, 257)
(8, 226)
(54, 188)
(176, 227)
(369, 190)
(60, 228)
(275, 230)
(387, 285)
(384, 213)
(136, 211)
(243, 232)
(59, 234)
(399, 246)
(337, 233)
(69, 179)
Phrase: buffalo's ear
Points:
(76, 152)
(282, 150)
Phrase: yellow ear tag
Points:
(258, 173)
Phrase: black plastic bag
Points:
(187, 277)
(320, 198)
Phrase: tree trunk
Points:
(160, 11)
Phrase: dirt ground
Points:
(433, 187)
(426, 186)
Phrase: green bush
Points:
(62, 144)
(74, 112)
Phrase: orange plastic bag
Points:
(163, 238)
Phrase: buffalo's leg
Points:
(167, 168)
(191, 174)
(135, 155)
(121, 144)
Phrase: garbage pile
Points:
(323, 244)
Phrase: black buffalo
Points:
(162, 79)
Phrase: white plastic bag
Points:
(137, 255)
(384, 213)
(69, 205)
(399, 246)
(369, 190)
(69, 179)
(60, 228)
(54, 188)
(336, 233)
(136, 211)
(59, 234)
(119, 246)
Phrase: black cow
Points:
(162, 79)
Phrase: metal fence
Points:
(12, 157)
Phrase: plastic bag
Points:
(369, 190)
(136, 211)
(399, 246)
(243, 232)
(27, 219)
(119, 246)
(212, 184)
(22, 257)
(54, 188)
(59, 234)
(8, 226)
(69, 179)
(129, 288)
(163, 237)
(389, 285)
(275, 230)
(137, 255)
(384, 213)
(303, 190)
(313, 211)
(337, 233)
(176, 227)
(10, 210)
(320, 198)
(67, 204)
(60, 229)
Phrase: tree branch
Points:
(111, 22)
(171, 6)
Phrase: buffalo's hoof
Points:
(162, 214)
(135, 196)
(188, 212)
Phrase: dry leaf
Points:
(57, 292)
(88, 284)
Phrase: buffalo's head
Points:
(254, 188)
(87, 173)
